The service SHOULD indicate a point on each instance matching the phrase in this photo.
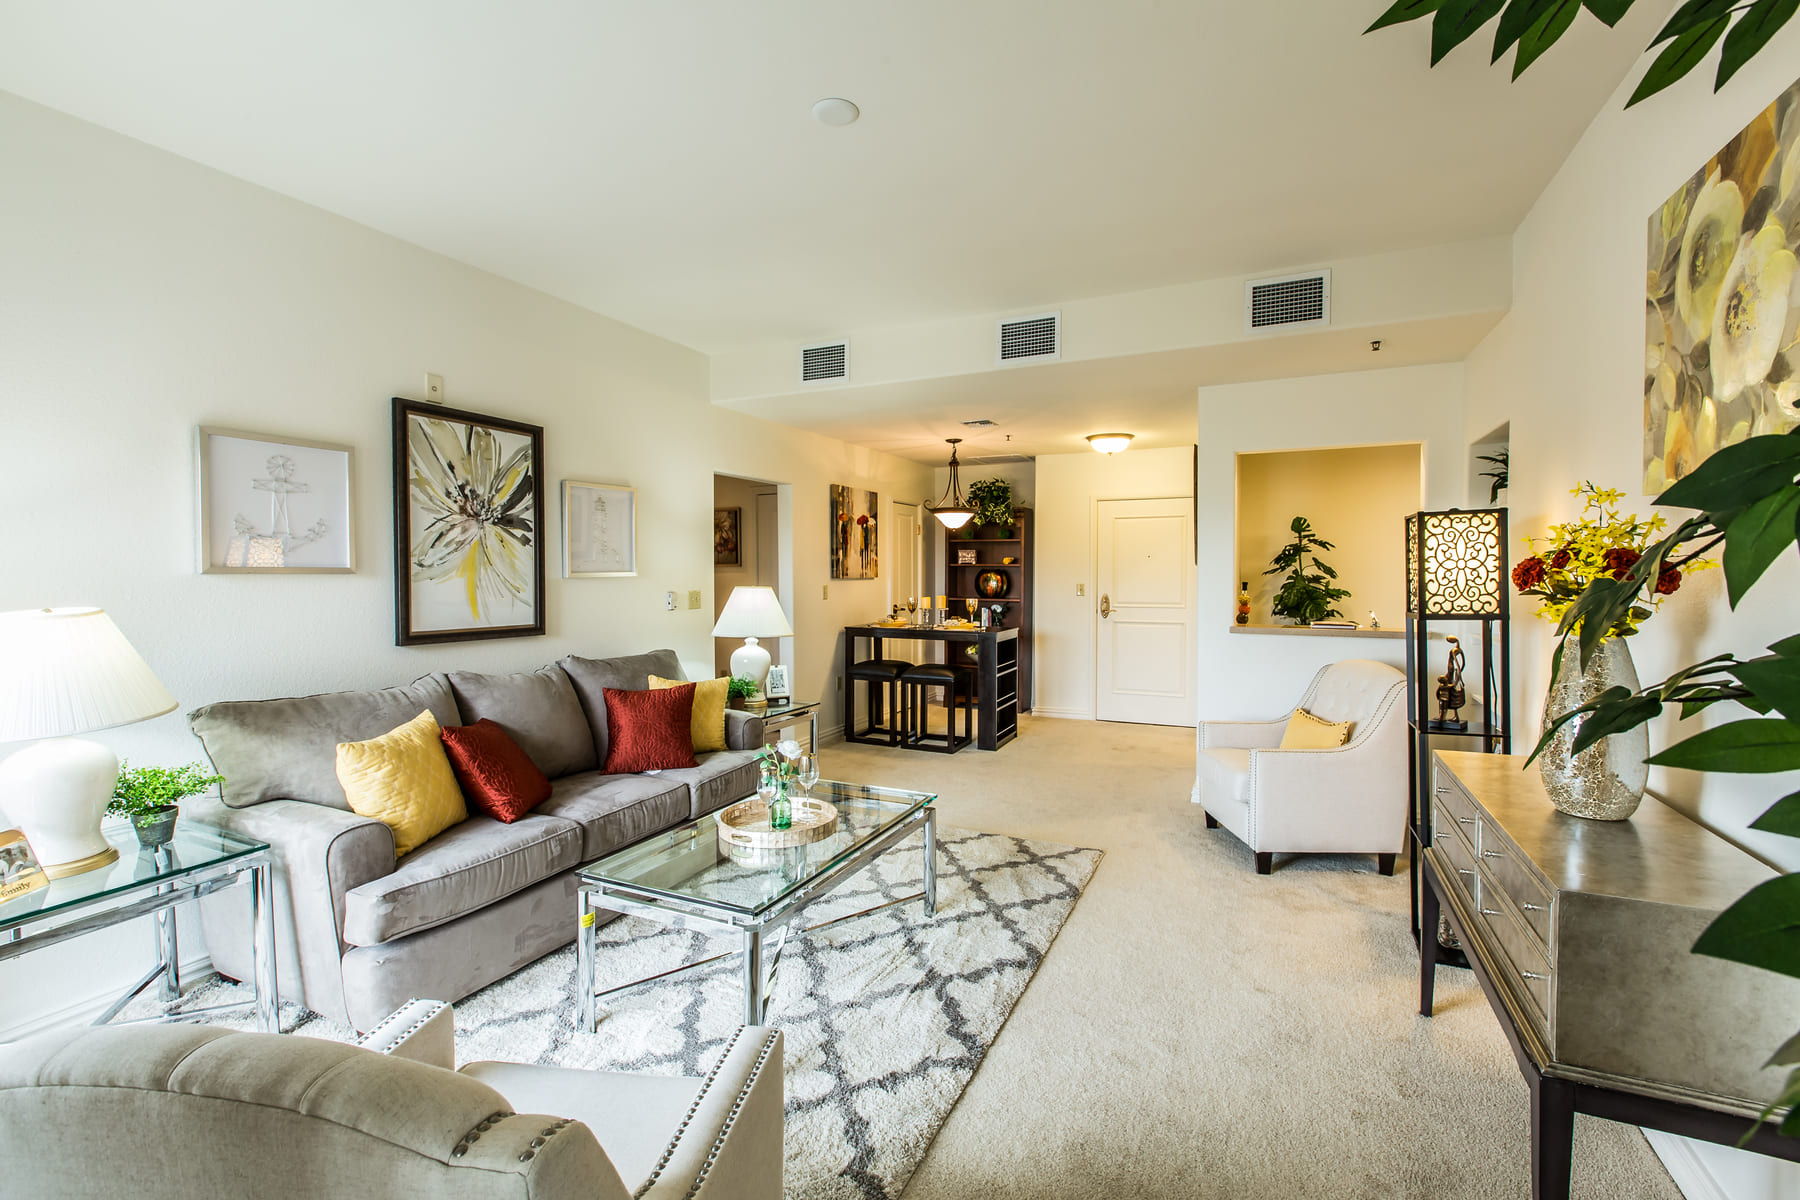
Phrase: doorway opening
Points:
(751, 549)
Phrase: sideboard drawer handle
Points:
(1468, 820)
(1492, 854)
(1438, 791)
(1532, 907)
(1490, 912)
(1533, 975)
(1465, 871)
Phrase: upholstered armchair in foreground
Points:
(1347, 799)
(174, 1112)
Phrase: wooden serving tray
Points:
(746, 824)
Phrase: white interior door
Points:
(1147, 612)
(903, 553)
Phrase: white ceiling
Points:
(657, 162)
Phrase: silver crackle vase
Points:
(1605, 781)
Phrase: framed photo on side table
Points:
(468, 525)
(599, 530)
(271, 505)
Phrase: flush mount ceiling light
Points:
(1109, 443)
(835, 110)
(952, 512)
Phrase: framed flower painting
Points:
(468, 526)
(1720, 358)
(854, 547)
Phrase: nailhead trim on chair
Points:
(737, 1106)
(417, 1025)
(669, 1150)
(474, 1135)
(538, 1141)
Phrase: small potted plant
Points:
(148, 796)
(992, 501)
(738, 690)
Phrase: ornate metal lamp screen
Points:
(1456, 563)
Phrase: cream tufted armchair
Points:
(1350, 799)
(175, 1112)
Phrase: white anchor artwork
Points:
(251, 548)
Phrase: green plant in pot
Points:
(148, 797)
(738, 690)
(1748, 500)
(1307, 594)
(992, 500)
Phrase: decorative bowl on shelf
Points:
(993, 584)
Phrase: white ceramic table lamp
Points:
(65, 671)
(752, 613)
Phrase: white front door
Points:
(1147, 612)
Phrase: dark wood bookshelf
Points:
(1016, 604)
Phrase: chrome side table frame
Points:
(761, 936)
(158, 899)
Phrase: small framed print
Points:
(965, 556)
(273, 505)
(776, 687)
(19, 870)
(727, 529)
(599, 530)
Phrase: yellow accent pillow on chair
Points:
(710, 696)
(1307, 732)
(403, 780)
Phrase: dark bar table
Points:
(996, 670)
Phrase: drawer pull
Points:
(1490, 912)
(1438, 791)
(1532, 907)
(1492, 854)
(1468, 820)
(1533, 975)
(1463, 871)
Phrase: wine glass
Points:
(807, 772)
(971, 604)
(912, 609)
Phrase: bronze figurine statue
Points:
(1451, 694)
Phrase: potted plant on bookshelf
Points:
(738, 690)
(993, 504)
(148, 797)
(1307, 594)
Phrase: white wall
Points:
(142, 294)
(1262, 676)
(1565, 368)
(1068, 487)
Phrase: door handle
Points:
(1105, 605)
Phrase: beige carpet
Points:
(1199, 1031)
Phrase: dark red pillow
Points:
(496, 775)
(650, 731)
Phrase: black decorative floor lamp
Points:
(1455, 571)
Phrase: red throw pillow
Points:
(496, 775)
(650, 731)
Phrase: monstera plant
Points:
(1748, 497)
(1534, 25)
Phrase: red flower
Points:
(1529, 573)
(1620, 559)
(863, 520)
(1668, 581)
(1560, 559)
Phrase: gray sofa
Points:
(359, 932)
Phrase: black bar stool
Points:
(880, 678)
(913, 683)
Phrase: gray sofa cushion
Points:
(538, 710)
(466, 867)
(617, 810)
(723, 777)
(629, 673)
(287, 749)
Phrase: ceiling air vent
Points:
(1287, 302)
(1031, 339)
(995, 460)
(826, 363)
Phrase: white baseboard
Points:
(1685, 1167)
(1064, 714)
(83, 1011)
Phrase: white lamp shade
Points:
(753, 612)
(69, 670)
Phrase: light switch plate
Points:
(693, 597)
(434, 388)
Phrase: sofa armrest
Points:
(319, 854)
(743, 730)
(730, 1146)
(1242, 735)
(421, 1030)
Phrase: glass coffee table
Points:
(685, 878)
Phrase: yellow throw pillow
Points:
(1307, 732)
(710, 696)
(403, 780)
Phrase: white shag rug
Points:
(885, 1017)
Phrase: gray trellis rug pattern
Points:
(885, 1018)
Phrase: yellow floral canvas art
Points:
(1720, 360)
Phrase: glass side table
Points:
(198, 861)
(779, 714)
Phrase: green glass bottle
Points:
(781, 809)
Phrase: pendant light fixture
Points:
(953, 512)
